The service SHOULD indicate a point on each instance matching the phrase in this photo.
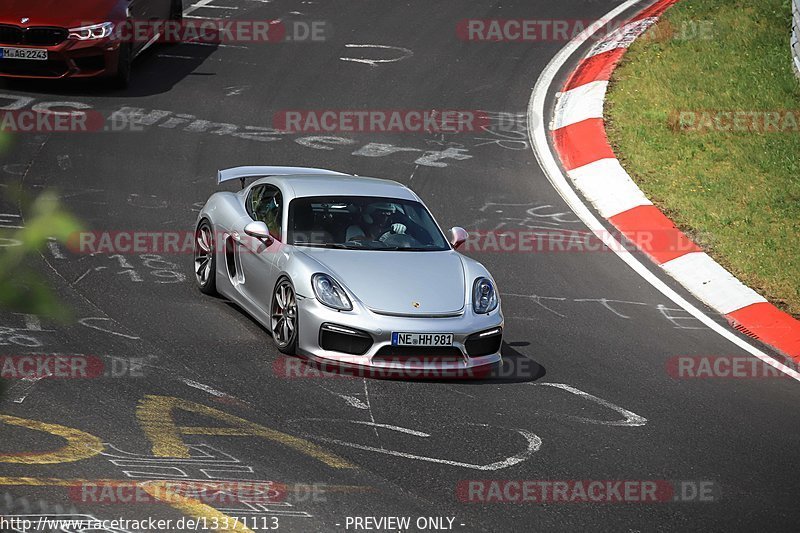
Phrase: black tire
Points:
(175, 18)
(176, 10)
(122, 78)
(282, 314)
(205, 259)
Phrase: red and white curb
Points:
(580, 141)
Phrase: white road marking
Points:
(85, 322)
(52, 245)
(15, 169)
(64, 162)
(369, 408)
(26, 385)
(631, 418)
(81, 277)
(205, 388)
(173, 56)
(352, 401)
(10, 220)
(194, 7)
(534, 443)
(374, 424)
(208, 6)
(405, 54)
(235, 90)
(211, 390)
(32, 322)
(547, 161)
(216, 45)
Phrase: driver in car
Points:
(383, 221)
(378, 222)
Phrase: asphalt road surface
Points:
(586, 393)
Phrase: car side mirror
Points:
(458, 236)
(259, 230)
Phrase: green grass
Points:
(737, 194)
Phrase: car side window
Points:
(265, 203)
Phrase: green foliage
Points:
(740, 190)
(21, 289)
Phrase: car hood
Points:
(402, 283)
(60, 13)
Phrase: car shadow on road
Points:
(156, 71)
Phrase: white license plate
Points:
(23, 53)
(422, 339)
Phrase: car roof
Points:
(305, 185)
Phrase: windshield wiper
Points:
(336, 245)
(342, 246)
(409, 249)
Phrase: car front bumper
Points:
(68, 59)
(381, 358)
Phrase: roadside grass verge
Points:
(736, 192)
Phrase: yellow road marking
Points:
(80, 445)
(155, 415)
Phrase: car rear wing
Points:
(243, 173)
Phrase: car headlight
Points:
(95, 31)
(330, 293)
(484, 296)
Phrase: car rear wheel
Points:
(284, 319)
(205, 260)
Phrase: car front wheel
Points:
(284, 319)
(122, 78)
(205, 260)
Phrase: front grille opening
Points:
(34, 36)
(484, 343)
(407, 355)
(44, 36)
(28, 67)
(91, 62)
(10, 34)
(343, 339)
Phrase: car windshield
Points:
(363, 223)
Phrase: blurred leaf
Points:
(22, 290)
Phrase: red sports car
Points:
(79, 39)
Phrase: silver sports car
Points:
(349, 271)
